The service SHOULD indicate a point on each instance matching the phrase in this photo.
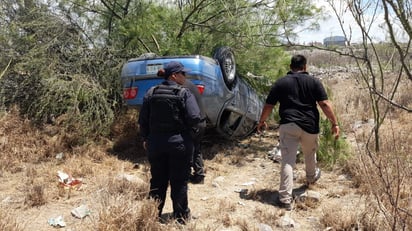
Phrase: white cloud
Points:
(330, 25)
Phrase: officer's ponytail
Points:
(162, 73)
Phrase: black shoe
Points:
(182, 219)
(197, 179)
(286, 206)
(318, 173)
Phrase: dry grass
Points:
(33, 188)
(308, 204)
(115, 178)
(341, 219)
(8, 222)
(123, 212)
(388, 182)
(35, 195)
(266, 216)
(384, 177)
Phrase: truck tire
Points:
(226, 59)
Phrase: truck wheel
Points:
(226, 59)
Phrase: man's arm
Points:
(326, 107)
(267, 109)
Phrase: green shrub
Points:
(331, 151)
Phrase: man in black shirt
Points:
(298, 93)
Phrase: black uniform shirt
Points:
(193, 89)
(191, 114)
(297, 94)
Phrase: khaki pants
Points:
(290, 136)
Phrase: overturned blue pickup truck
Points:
(232, 107)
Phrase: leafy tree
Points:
(252, 28)
(53, 72)
(64, 56)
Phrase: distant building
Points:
(334, 41)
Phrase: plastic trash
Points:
(275, 154)
(68, 181)
(57, 221)
(81, 211)
(60, 156)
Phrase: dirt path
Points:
(238, 194)
(238, 190)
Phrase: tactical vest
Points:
(166, 109)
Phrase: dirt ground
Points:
(239, 191)
(249, 187)
(236, 189)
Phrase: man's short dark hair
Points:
(297, 62)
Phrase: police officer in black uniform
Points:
(197, 161)
(167, 117)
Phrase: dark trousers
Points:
(171, 164)
(197, 159)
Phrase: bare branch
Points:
(4, 71)
(390, 101)
(403, 54)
